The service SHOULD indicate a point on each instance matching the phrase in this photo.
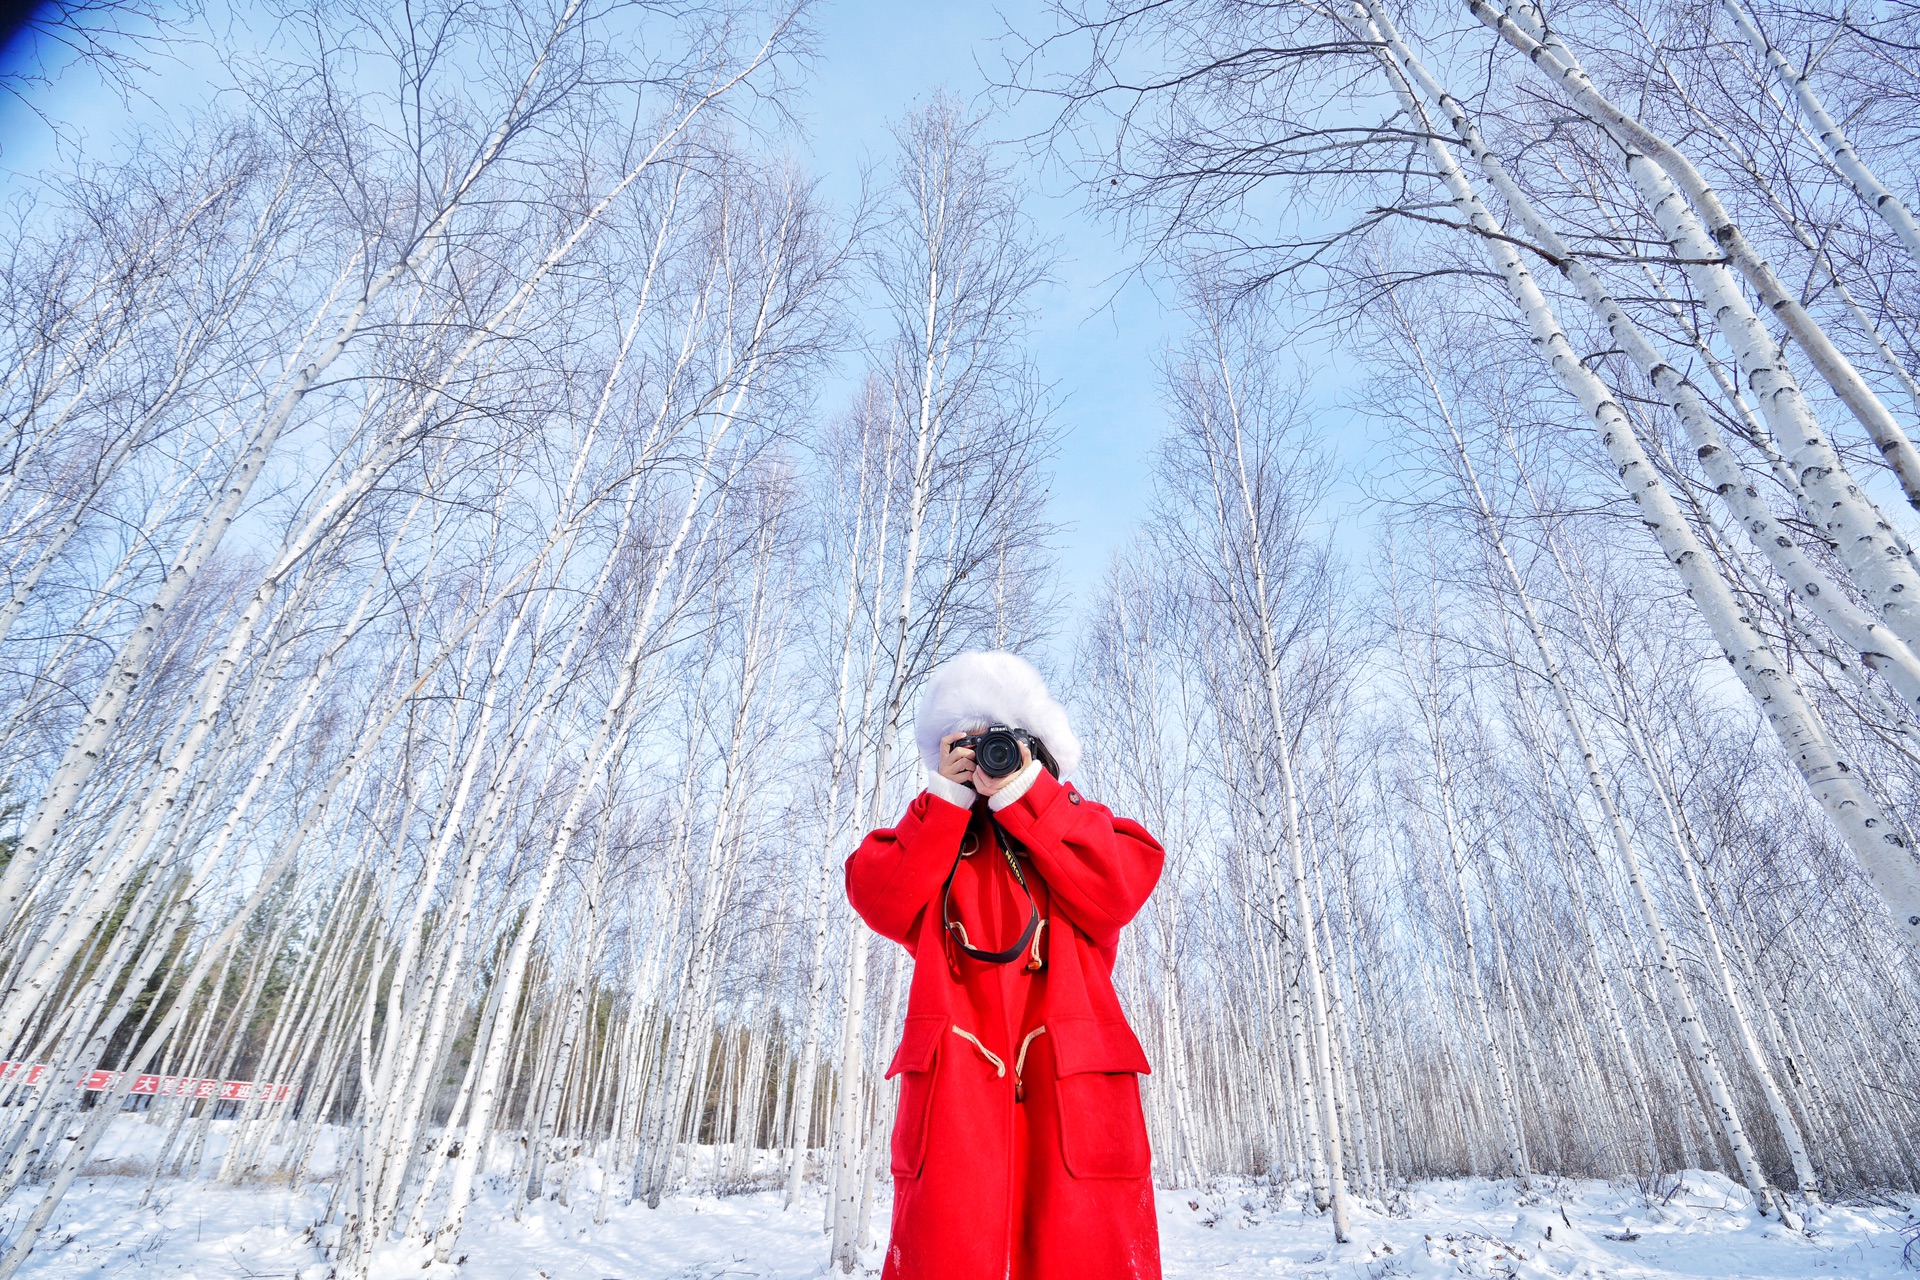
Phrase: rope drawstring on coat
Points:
(1020, 1064)
(999, 1064)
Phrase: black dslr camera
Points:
(996, 750)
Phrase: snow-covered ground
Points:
(1699, 1225)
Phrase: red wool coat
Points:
(1019, 1149)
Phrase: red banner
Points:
(160, 1086)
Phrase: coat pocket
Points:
(914, 1063)
(1103, 1131)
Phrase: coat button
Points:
(1073, 797)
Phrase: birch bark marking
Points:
(1828, 360)
(56, 945)
(1608, 968)
(671, 888)
(1833, 138)
(383, 1160)
(1866, 540)
(61, 940)
(1815, 246)
(1346, 1110)
(1281, 1008)
(1125, 655)
(292, 1039)
(541, 1125)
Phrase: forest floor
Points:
(1691, 1225)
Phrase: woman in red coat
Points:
(1019, 1150)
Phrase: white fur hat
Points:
(974, 689)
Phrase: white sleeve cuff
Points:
(957, 793)
(1016, 786)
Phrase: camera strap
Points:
(957, 932)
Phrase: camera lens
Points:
(997, 755)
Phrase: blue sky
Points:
(1095, 341)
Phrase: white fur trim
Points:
(971, 690)
(1016, 785)
(952, 792)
